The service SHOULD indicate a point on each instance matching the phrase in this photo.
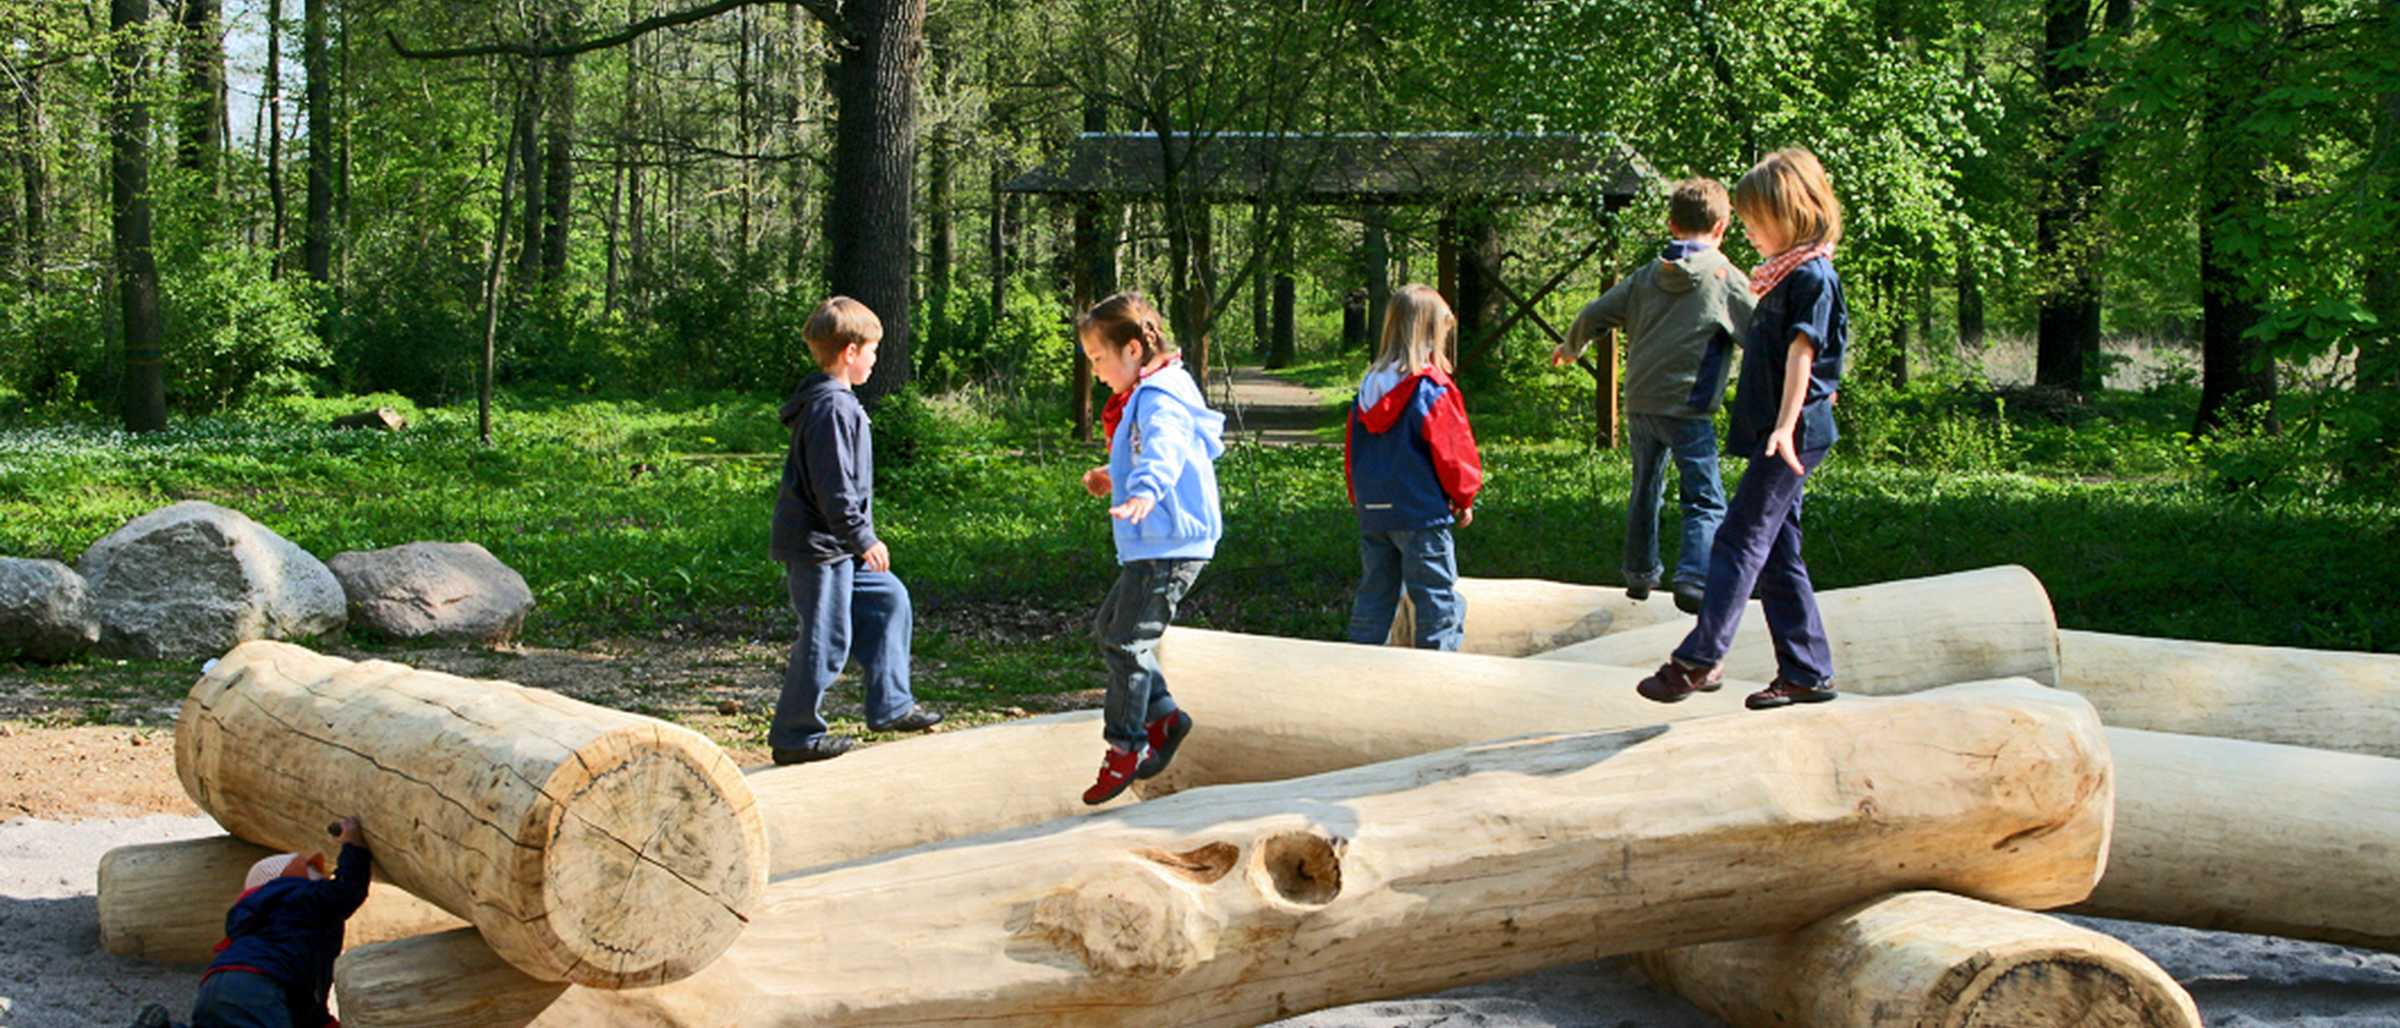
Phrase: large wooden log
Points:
(2254, 837)
(1519, 617)
(586, 844)
(1927, 960)
(1890, 638)
(166, 901)
(1237, 905)
(2327, 699)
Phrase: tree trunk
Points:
(1970, 303)
(1522, 617)
(151, 901)
(586, 844)
(495, 262)
(1896, 312)
(1237, 906)
(1280, 351)
(1262, 314)
(2069, 318)
(874, 164)
(203, 89)
(1477, 300)
(2324, 699)
(2379, 360)
(317, 245)
(558, 165)
(2238, 836)
(529, 161)
(1922, 959)
(145, 399)
(33, 172)
(1201, 295)
(1095, 277)
(2237, 373)
(630, 152)
(1379, 273)
(941, 230)
(1892, 637)
(274, 90)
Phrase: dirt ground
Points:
(69, 774)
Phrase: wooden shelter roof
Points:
(1348, 167)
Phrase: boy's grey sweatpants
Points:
(1133, 617)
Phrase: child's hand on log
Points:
(350, 832)
(1096, 481)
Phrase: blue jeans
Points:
(240, 999)
(1759, 546)
(1693, 444)
(844, 610)
(1133, 617)
(1426, 562)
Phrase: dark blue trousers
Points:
(240, 999)
(1758, 548)
(845, 610)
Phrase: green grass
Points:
(629, 515)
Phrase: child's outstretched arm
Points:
(1598, 316)
(1798, 362)
(1168, 443)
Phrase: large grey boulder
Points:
(45, 611)
(195, 579)
(450, 591)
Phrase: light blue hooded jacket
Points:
(1166, 448)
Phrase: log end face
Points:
(2071, 987)
(655, 858)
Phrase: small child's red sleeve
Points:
(1456, 463)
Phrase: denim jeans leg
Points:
(821, 598)
(1378, 600)
(883, 623)
(1702, 494)
(1138, 611)
(1802, 655)
(1430, 568)
(1642, 500)
(1760, 505)
(240, 999)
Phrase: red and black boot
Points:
(1116, 772)
(1166, 733)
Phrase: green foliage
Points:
(959, 342)
(232, 332)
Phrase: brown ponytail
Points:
(1127, 319)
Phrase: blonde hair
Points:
(1788, 189)
(1127, 319)
(1416, 324)
(839, 324)
(1697, 205)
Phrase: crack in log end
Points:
(1128, 919)
(2035, 832)
(1203, 865)
(1302, 868)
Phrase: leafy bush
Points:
(231, 329)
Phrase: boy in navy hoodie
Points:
(1410, 461)
(275, 967)
(839, 574)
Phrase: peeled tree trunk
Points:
(166, 901)
(586, 844)
(2327, 699)
(1887, 638)
(1520, 617)
(1235, 906)
(1927, 960)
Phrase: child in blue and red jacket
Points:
(1413, 472)
(275, 966)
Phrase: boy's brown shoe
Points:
(1675, 683)
(1782, 693)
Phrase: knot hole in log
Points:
(1302, 868)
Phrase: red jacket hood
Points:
(1387, 411)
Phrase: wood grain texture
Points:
(1519, 617)
(2327, 699)
(1927, 960)
(586, 844)
(166, 901)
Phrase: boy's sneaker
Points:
(1117, 769)
(1688, 597)
(1783, 693)
(154, 1016)
(823, 747)
(1166, 733)
(1675, 683)
(917, 719)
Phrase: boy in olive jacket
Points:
(1682, 314)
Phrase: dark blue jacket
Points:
(1409, 455)
(825, 510)
(290, 930)
(1807, 302)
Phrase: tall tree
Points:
(2379, 361)
(33, 172)
(316, 59)
(558, 169)
(145, 400)
(868, 228)
(2237, 368)
(2069, 320)
(273, 87)
(203, 88)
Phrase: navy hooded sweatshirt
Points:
(290, 930)
(825, 510)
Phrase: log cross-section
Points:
(587, 845)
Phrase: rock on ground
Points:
(194, 579)
(448, 591)
(46, 611)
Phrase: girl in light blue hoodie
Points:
(1161, 484)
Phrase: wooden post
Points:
(1086, 293)
(1445, 249)
(1378, 272)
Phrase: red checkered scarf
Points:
(1765, 277)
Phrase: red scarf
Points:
(1765, 277)
(1114, 411)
